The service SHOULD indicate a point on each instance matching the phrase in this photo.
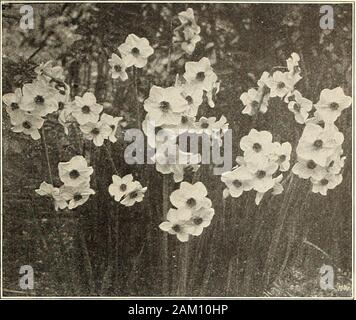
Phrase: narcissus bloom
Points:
(293, 63)
(200, 74)
(201, 219)
(181, 228)
(255, 101)
(329, 181)
(118, 67)
(190, 196)
(97, 132)
(121, 186)
(319, 143)
(76, 196)
(135, 51)
(85, 109)
(75, 172)
(300, 107)
(193, 97)
(135, 194)
(113, 123)
(276, 189)
(47, 71)
(164, 105)
(187, 18)
(46, 189)
(256, 146)
(237, 181)
(281, 155)
(336, 162)
(27, 123)
(281, 83)
(262, 176)
(13, 102)
(211, 126)
(306, 169)
(332, 103)
(39, 98)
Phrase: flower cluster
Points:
(75, 191)
(175, 108)
(126, 191)
(278, 84)
(187, 34)
(27, 106)
(192, 212)
(258, 168)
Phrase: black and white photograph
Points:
(177, 150)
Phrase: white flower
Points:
(336, 162)
(164, 105)
(300, 107)
(121, 186)
(237, 181)
(329, 181)
(212, 127)
(306, 169)
(211, 95)
(113, 123)
(39, 98)
(85, 109)
(262, 176)
(75, 172)
(47, 71)
(201, 219)
(265, 78)
(254, 101)
(190, 196)
(187, 18)
(193, 97)
(256, 146)
(277, 189)
(97, 132)
(318, 143)
(135, 51)
(200, 74)
(77, 195)
(135, 194)
(47, 189)
(281, 83)
(118, 67)
(27, 123)
(281, 155)
(332, 103)
(190, 42)
(181, 228)
(13, 102)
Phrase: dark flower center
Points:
(27, 124)
(189, 99)
(198, 220)
(123, 187)
(204, 125)
(135, 51)
(334, 106)
(14, 106)
(60, 105)
(297, 107)
(117, 68)
(255, 104)
(133, 194)
(311, 165)
(86, 109)
(281, 85)
(191, 202)
(324, 182)
(95, 131)
(318, 144)
(176, 228)
(261, 174)
(200, 76)
(62, 92)
(331, 164)
(77, 197)
(184, 119)
(282, 158)
(237, 183)
(257, 147)
(164, 106)
(39, 99)
(112, 127)
(74, 174)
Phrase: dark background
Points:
(103, 248)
